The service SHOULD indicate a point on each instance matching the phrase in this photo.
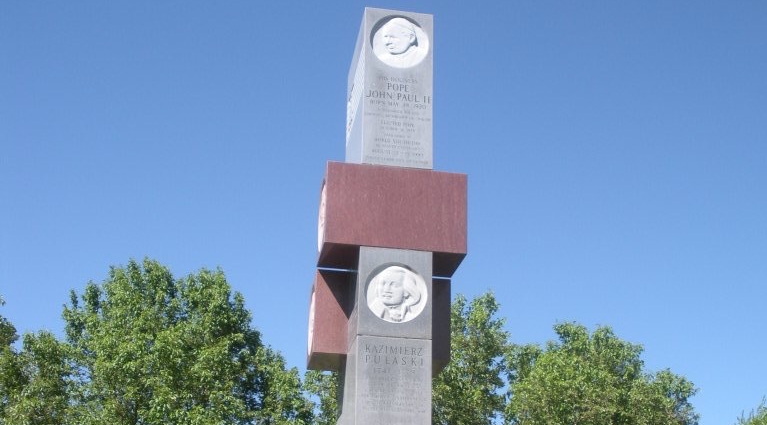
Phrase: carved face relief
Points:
(398, 36)
(396, 294)
(390, 290)
(399, 42)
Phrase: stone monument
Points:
(391, 232)
(389, 96)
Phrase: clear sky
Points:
(616, 154)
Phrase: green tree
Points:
(593, 379)
(323, 386)
(42, 393)
(152, 349)
(756, 417)
(7, 330)
(471, 389)
(34, 383)
(10, 368)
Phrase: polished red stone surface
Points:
(332, 304)
(393, 207)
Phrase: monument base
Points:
(387, 382)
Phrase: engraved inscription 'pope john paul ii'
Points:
(400, 42)
(396, 294)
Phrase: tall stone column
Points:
(391, 233)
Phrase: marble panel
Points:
(389, 93)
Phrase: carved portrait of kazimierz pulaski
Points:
(396, 294)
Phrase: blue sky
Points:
(616, 154)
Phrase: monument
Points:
(391, 233)
(389, 96)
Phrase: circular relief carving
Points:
(396, 294)
(321, 219)
(399, 42)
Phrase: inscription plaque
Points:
(392, 381)
(389, 96)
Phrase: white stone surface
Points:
(400, 43)
(396, 294)
(390, 88)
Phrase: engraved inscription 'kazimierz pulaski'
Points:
(400, 43)
(396, 294)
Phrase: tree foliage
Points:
(153, 349)
(593, 379)
(42, 391)
(323, 386)
(756, 417)
(10, 370)
(145, 348)
(470, 390)
(34, 384)
(7, 331)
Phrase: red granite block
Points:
(329, 320)
(393, 207)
